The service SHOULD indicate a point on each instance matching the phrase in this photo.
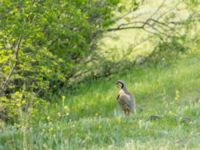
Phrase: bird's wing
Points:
(124, 99)
(132, 102)
(127, 100)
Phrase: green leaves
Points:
(56, 36)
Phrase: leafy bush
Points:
(41, 42)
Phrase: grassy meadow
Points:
(167, 95)
(167, 112)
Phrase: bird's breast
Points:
(123, 94)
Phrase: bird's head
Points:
(121, 84)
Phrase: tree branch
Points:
(152, 24)
(16, 54)
(123, 28)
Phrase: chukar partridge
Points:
(125, 98)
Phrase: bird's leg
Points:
(126, 111)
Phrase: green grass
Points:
(88, 117)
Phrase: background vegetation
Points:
(59, 61)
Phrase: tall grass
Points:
(90, 119)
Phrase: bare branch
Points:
(139, 25)
(158, 9)
(151, 24)
(169, 10)
(123, 28)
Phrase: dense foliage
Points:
(41, 42)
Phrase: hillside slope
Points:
(89, 117)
